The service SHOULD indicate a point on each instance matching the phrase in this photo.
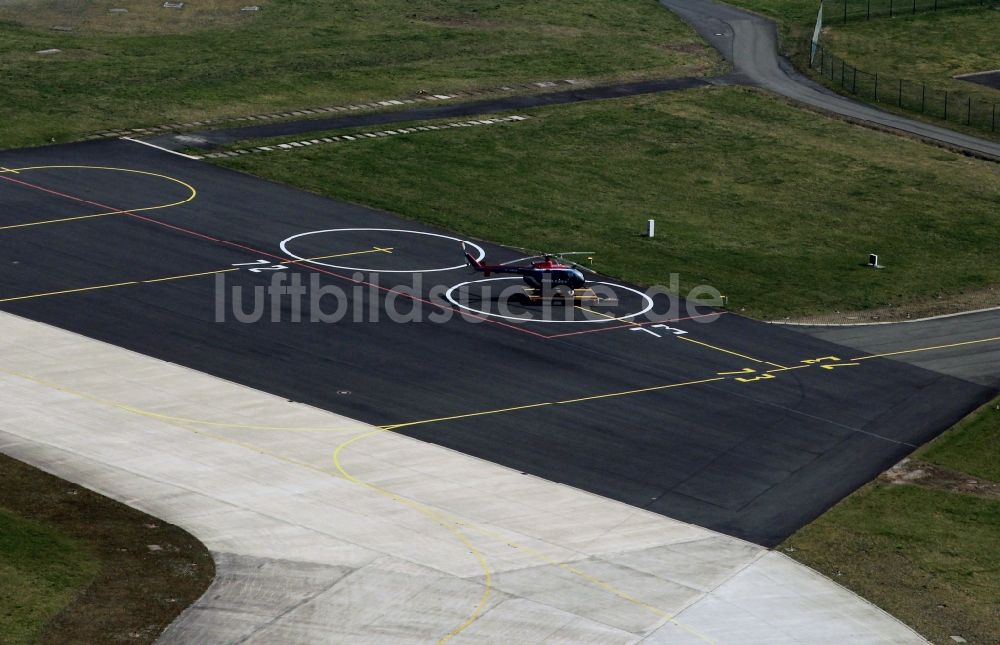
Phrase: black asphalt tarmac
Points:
(739, 426)
(989, 79)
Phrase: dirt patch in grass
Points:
(145, 572)
(928, 475)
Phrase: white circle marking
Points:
(449, 298)
(285, 242)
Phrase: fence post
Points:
(868, 12)
(845, 10)
(994, 126)
(854, 83)
(946, 105)
(876, 87)
(843, 72)
(900, 92)
(914, 6)
(890, 8)
(935, 4)
(968, 116)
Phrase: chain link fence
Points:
(846, 10)
(916, 96)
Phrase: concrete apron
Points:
(325, 529)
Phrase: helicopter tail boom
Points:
(478, 265)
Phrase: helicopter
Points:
(553, 278)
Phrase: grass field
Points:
(929, 47)
(77, 567)
(926, 554)
(776, 207)
(137, 71)
(42, 570)
(973, 447)
(147, 17)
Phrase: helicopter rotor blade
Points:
(562, 256)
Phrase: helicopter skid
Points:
(534, 296)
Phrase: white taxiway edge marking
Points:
(151, 145)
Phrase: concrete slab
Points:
(388, 539)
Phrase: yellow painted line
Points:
(433, 515)
(547, 403)
(374, 249)
(187, 275)
(690, 340)
(5, 169)
(59, 293)
(745, 370)
(929, 349)
(535, 553)
(189, 187)
(629, 322)
(67, 219)
(465, 416)
(648, 389)
(935, 347)
(719, 349)
(322, 257)
(639, 391)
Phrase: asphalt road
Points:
(709, 426)
(975, 362)
(750, 43)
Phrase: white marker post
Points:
(650, 228)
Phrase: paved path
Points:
(975, 362)
(750, 43)
(325, 529)
(208, 139)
